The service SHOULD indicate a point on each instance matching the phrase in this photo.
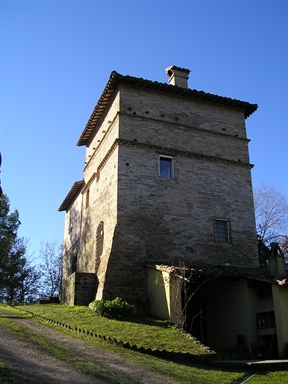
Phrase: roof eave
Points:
(116, 78)
(72, 195)
(99, 108)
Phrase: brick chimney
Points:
(178, 76)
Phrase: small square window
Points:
(166, 167)
(221, 231)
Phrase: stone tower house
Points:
(166, 178)
(167, 183)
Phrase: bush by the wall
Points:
(116, 308)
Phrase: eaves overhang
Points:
(72, 195)
(259, 274)
(116, 78)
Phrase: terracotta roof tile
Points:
(116, 78)
(206, 270)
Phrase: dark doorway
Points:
(268, 346)
(195, 315)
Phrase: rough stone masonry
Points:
(124, 215)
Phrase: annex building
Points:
(164, 216)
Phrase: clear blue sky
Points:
(56, 57)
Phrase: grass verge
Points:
(141, 331)
(270, 377)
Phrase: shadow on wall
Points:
(126, 275)
(81, 257)
(79, 289)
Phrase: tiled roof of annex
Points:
(211, 271)
(116, 78)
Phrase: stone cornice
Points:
(178, 152)
(89, 182)
(87, 163)
(116, 78)
(107, 156)
(140, 117)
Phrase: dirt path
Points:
(36, 366)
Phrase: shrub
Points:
(113, 308)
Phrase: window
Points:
(87, 198)
(166, 167)
(221, 231)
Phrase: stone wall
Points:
(79, 289)
(150, 219)
(174, 217)
(103, 208)
(164, 220)
(70, 260)
(72, 224)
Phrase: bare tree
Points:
(271, 214)
(52, 262)
(184, 283)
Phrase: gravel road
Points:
(36, 366)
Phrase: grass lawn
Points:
(149, 333)
(144, 332)
(270, 377)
